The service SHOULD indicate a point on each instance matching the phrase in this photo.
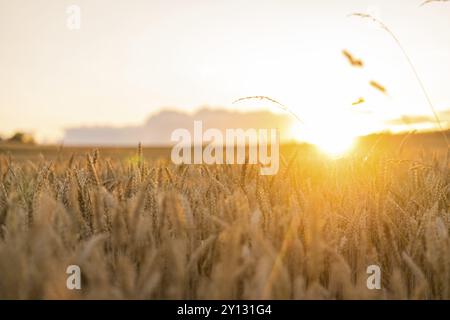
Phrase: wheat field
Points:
(140, 227)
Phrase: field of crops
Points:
(141, 228)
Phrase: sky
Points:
(131, 59)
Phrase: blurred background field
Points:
(425, 144)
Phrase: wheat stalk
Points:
(413, 68)
(282, 106)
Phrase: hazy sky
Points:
(131, 58)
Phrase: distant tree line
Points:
(19, 137)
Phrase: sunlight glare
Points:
(334, 142)
(335, 145)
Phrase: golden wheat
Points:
(207, 232)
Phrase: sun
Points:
(334, 145)
(334, 142)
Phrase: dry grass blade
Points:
(431, 1)
(378, 86)
(282, 106)
(359, 101)
(413, 68)
(352, 60)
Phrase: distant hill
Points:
(156, 131)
